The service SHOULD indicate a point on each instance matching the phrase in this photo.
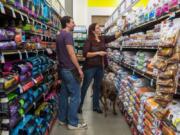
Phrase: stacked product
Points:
(114, 44)
(114, 67)
(6, 39)
(167, 63)
(40, 123)
(128, 86)
(142, 112)
(155, 9)
(128, 57)
(114, 55)
(17, 101)
(142, 59)
(151, 38)
(121, 73)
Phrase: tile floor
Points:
(97, 123)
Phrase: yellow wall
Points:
(142, 3)
(103, 3)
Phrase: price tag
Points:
(49, 51)
(172, 15)
(27, 19)
(26, 54)
(22, 18)
(33, 21)
(20, 55)
(20, 88)
(34, 80)
(2, 58)
(133, 72)
(37, 53)
(152, 81)
(34, 104)
(13, 12)
(45, 26)
(121, 48)
(2, 8)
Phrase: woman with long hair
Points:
(95, 53)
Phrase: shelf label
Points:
(27, 19)
(13, 12)
(2, 8)
(49, 51)
(22, 18)
(33, 21)
(34, 104)
(2, 58)
(20, 55)
(152, 81)
(20, 88)
(121, 48)
(26, 54)
(133, 72)
(172, 15)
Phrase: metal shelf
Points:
(140, 47)
(149, 24)
(137, 71)
(115, 48)
(25, 15)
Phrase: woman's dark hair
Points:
(92, 28)
(65, 20)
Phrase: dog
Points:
(108, 92)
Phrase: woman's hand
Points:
(118, 34)
(102, 53)
(81, 73)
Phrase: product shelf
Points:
(140, 47)
(26, 16)
(150, 24)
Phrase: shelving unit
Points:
(80, 36)
(136, 32)
(33, 38)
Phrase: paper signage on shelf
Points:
(20, 55)
(26, 54)
(33, 21)
(2, 8)
(2, 58)
(20, 88)
(22, 18)
(49, 51)
(13, 12)
(27, 19)
(152, 81)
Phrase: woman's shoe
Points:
(97, 110)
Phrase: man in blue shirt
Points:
(71, 74)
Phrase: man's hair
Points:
(65, 20)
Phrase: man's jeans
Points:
(69, 98)
(97, 74)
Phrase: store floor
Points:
(97, 123)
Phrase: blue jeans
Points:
(97, 74)
(69, 98)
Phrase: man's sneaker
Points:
(61, 123)
(78, 127)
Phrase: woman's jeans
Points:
(69, 98)
(97, 74)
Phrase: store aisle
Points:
(97, 123)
